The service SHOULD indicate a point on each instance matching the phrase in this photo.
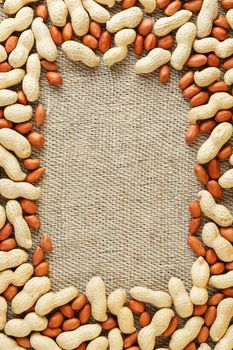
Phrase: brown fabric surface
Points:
(119, 177)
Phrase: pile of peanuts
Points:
(93, 320)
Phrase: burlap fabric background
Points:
(119, 177)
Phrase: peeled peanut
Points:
(54, 78)
(11, 43)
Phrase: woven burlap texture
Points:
(119, 177)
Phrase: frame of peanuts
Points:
(93, 320)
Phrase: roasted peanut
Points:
(165, 25)
(31, 292)
(182, 337)
(116, 301)
(20, 22)
(180, 297)
(50, 301)
(200, 273)
(159, 323)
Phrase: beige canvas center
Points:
(119, 177)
